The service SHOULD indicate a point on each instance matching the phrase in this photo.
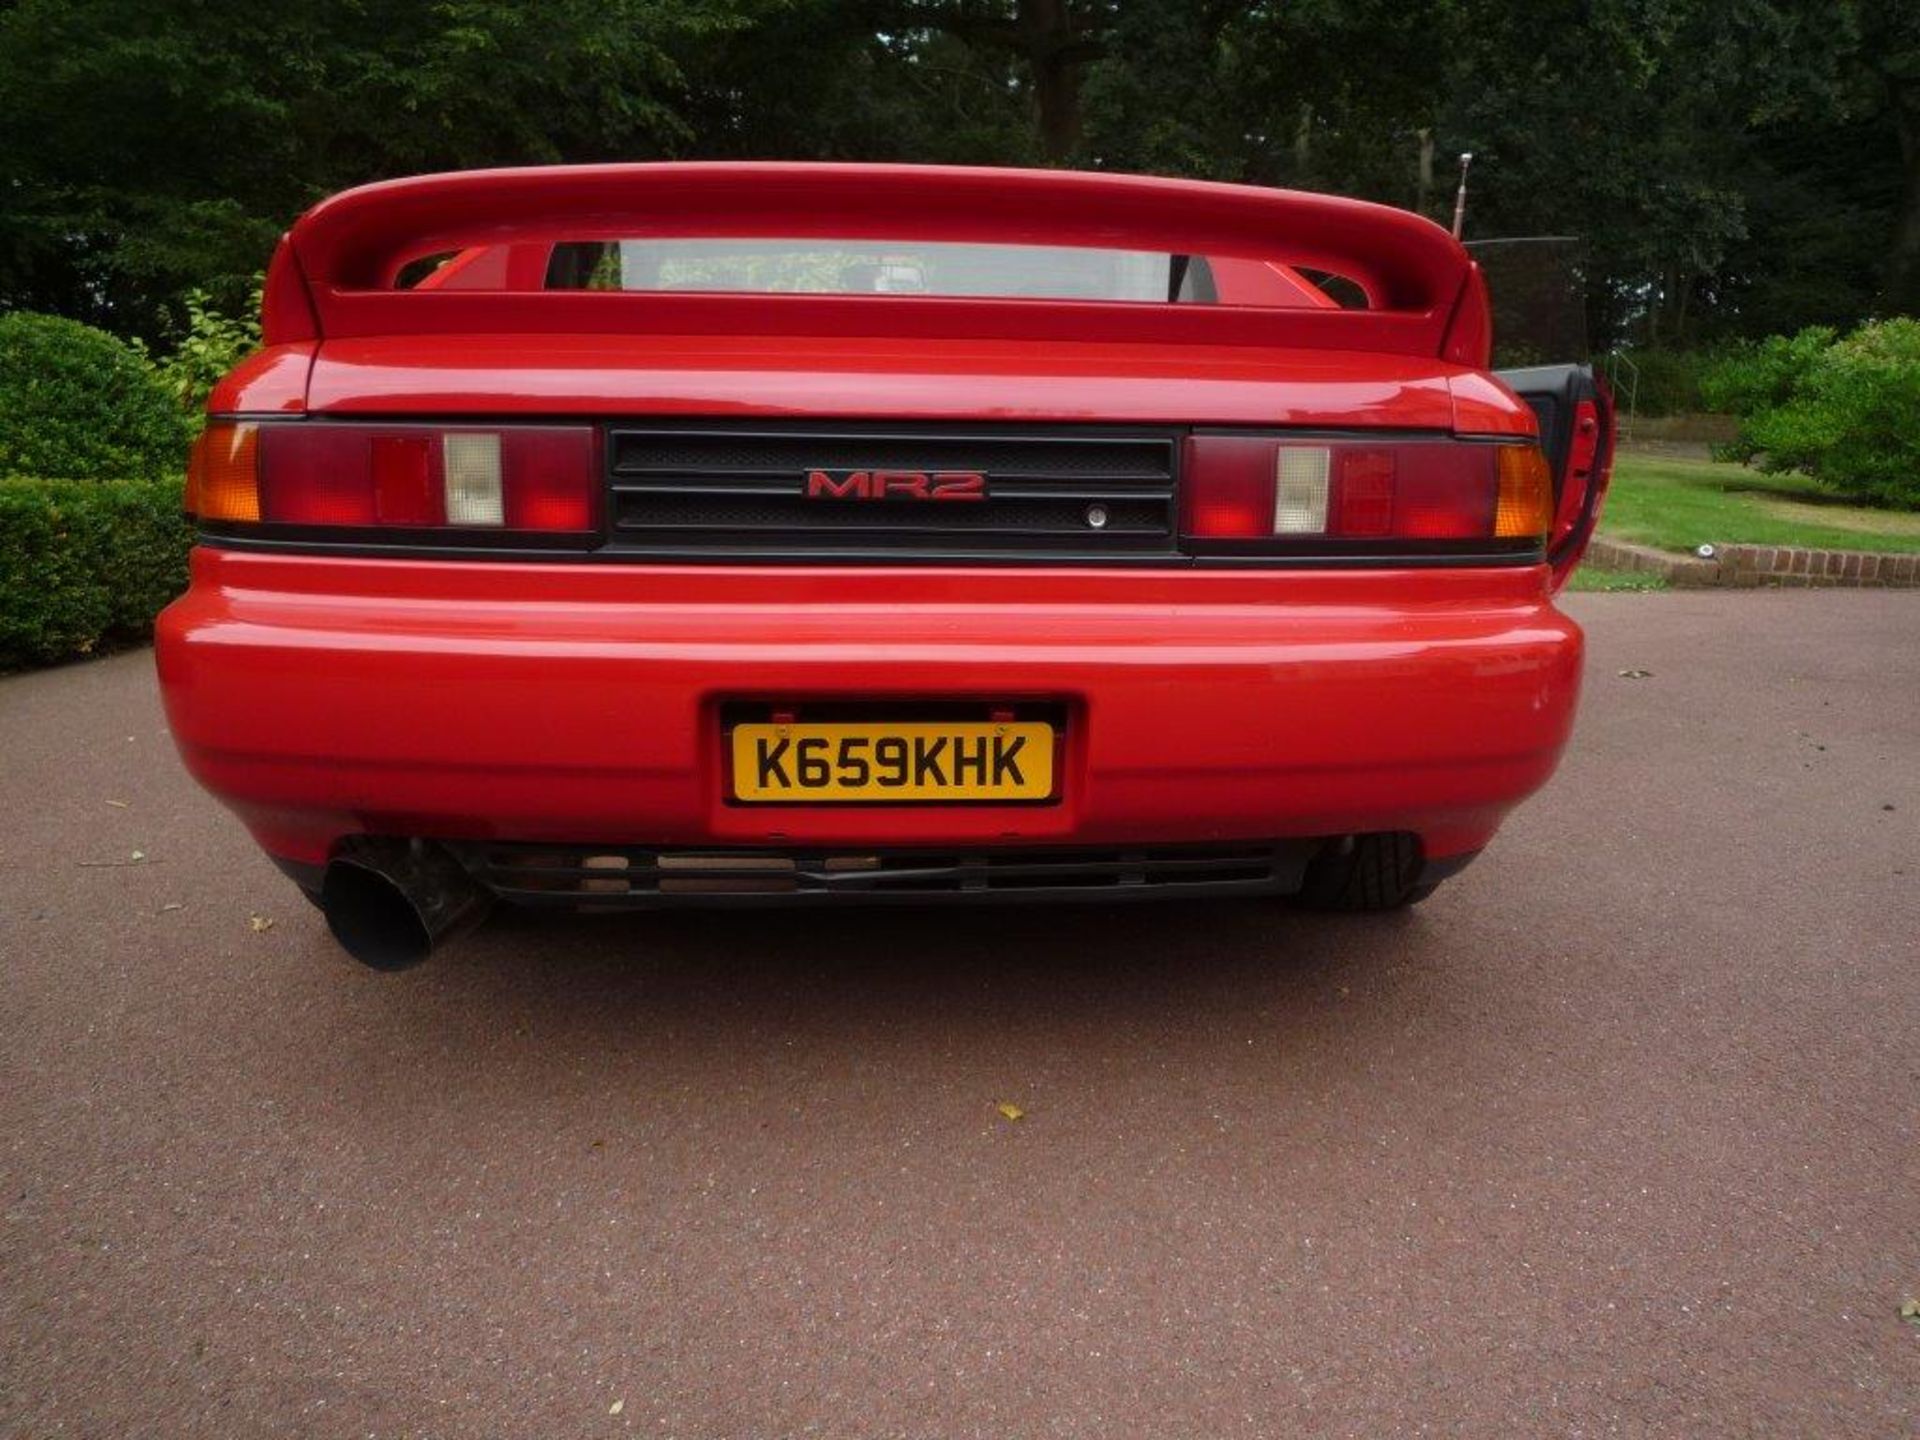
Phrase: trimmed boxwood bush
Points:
(78, 403)
(86, 562)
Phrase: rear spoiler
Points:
(333, 273)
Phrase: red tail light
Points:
(1265, 494)
(465, 479)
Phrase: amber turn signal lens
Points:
(1525, 506)
(223, 475)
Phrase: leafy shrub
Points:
(77, 403)
(210, 345)
(1762, 375)
(86, 561)
(1846, 412)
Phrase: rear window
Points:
(854, 267)
(831, 266)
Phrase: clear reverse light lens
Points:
(1300, 490)
(473, 479)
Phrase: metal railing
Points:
(1626, 393)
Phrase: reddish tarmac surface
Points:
(1615, 1137)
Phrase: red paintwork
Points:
(1589, 472)
(1584, 453)
(1265, 282)
(359, 239)
(333, 278)
(286, 305)
(863, 376)
(322, 697)
(483, 267)
(1469, 338)
(271, 382)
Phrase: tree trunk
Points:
(1056, 88)
(1055, 58)
(1903, 262)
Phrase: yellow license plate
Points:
(911, 761)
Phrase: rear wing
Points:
(334, 273)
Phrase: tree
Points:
(1053, 41)
(852, 80)
(146, 147)
(1730, 165)
(1635, 124)
(1888, 58)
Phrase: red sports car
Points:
(661, 535)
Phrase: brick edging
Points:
(1747, 566)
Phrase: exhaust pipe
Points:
(391, 902)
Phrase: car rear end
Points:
(512, 587)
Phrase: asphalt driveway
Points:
(1617, 1136)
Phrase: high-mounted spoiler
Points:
(333, 273)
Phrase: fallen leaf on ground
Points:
(1910, 1311)
(1636, 674)
(118, 804)
(616, 1407)
(171, 905)
(259, 924)
(1010, 1110)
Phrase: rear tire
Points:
(1366, 875)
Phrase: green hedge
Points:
(79, 403)
(86, 562)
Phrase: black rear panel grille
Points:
(622, 877)
(1059, 493)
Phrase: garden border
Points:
(1750, 566)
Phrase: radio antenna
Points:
(1460, 196)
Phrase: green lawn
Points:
(1677, 504)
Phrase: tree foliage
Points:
(1731, 166)
(149, 145)
(206, 345)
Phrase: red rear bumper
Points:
(323, 697)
